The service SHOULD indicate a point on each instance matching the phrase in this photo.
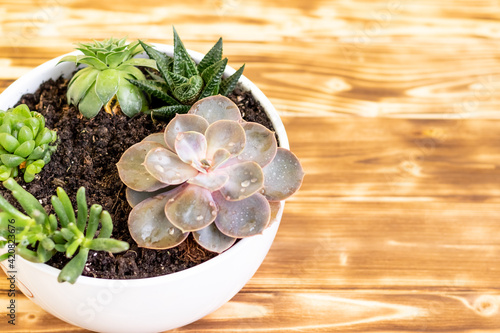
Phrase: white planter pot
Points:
(142, 305)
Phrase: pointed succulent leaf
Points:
(69, 58)
(141, 62)
(183, 64)
(132, 171)
(149, 226)
(283, 176)
(212, 181)
(135, 197)
(216, 108)
(81, 85)
(245, 179)
(91, 104)
(191, 147)
(156, 137)
(154, 91)
(155, 76)
(177, 79)
(107, 84)
(114, 59)
(213, 69)
(188, 93)
(167, 167)
(212, 239)
(225, 134)
(183, 123)
(214, 55)
(260, 146)
(244, 218)
(192, 209)
(213, 84)
(227, 85)
(167, 112)
(94, 62)
(162, 60)
(129, 96)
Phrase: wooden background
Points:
(391, 106)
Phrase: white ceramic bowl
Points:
(142, 305)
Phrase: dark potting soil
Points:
(86, 156)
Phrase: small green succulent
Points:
(182, 82)
(110, 64)
(25, 143)
(37, 236)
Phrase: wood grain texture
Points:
(396, 226)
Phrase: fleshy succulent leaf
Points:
(107, 84)
(244, 218)
(216, 108)
(275, 209)
(149, 226)
(156, 137)
(192, 209)
(188, 93)
(212, 181)
(225, 134)
(260, 146)
(228, 85)
(183, 123)
(283, 176)
(191, 147)
(91, 104)
(245, 179)
(141, 62)
(133, 173)
(130, 97)
(161, 59)
(79, 88)
(212, 239)
(167, 167)
(135, 197)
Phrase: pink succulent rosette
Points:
(209, 173)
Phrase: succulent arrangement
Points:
(209, 173)
(182, 82)
(26, 145)
(111, 64)
(38, 236)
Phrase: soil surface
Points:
(86, 156)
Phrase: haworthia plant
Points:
(26, 145)
(229, 177)
(37, 236)
(182, 82)
(111, 64)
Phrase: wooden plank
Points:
(412, 253)
(366, 58)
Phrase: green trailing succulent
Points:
(111, 64)
(182, 82)
(37, 236)
(26, 145)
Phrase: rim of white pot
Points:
(12, 94)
